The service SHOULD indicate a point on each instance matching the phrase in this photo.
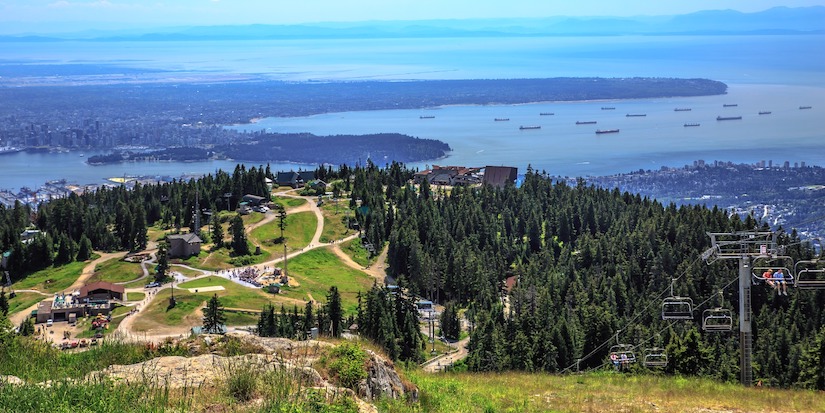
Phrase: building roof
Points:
(253, 197)
(101, 285)
(499, 176)
(189, 238)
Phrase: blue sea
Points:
(765, 73)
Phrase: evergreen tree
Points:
(334, 310)
(309, 318)
(213, 317)
(450, 325)
(84, 250)
(26, 327)
(4, 303)
(217, 231)
(163, 263)
(239, 244)
(812, 364)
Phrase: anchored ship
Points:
(730, 105)
(635, 115)
(766, 112)
(546, 113)
(804, 107)
(426, 117)
(691, 124)
(529, 127)
(501, 119)
(728, 117)
(682, 110)
(585, 122)
(601, 131)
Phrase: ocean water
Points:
(765, 73)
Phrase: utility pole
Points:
(743, 246)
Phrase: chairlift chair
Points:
(757, 273)
(655, 357)
(677, 308)
(808, 278)
(717, 320)
(623, 353)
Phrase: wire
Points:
(632, 320)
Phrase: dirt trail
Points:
(440, 363)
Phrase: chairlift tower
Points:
(742, 246)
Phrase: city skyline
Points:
(56, 16)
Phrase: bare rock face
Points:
(180, 372)
(383, 381)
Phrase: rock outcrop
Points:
(383, 381)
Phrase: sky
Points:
(55, 16)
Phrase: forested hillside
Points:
(590, 263)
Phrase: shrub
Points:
(348, 364)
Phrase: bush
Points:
(348, 364)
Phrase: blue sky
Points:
(32, 16)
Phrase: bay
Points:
(765, 73)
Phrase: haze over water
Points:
(765, 73)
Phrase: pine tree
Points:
(450, 325)
(85, 250)
(309, 318)
(4, 303)
(213, 317)
(163, 264)
(334, 310)
(217, 231)
(239, 244)
(26, 327)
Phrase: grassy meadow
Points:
(595, 392)
(319, 269)
(52, 279)
(116, 270)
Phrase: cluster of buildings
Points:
(97, 298)
(497, 176)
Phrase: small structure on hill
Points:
(184, 245)
(500, 176)
(100, 290)
(254, 200)
(292, 179)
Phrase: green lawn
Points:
(319, 269)
(233, 296)
(356, 251)
(135, 296)
(117, 271)
(23, 301)
(52, 279)
(334, 220)
(300, 228)
(288, 203)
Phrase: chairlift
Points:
(809, 276)
(655, 357)
(717, 320)
(760, 273)
(622, 354)
(677, 308)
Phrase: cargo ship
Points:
(804, 107)
(687, 125)
(635, 115)
(601, 131)
(529, 127)
(585, 122)
(426, 117)
(546, 113)
(501, 119)
(682, 110)
(765, 112)
(608, 108)
(730, 105)
(728, 117)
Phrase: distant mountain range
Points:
(778, 20)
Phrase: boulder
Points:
(383, 381)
